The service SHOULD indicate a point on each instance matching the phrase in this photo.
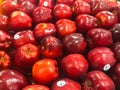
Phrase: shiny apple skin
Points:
(19, 21)
(75, 63)
(23, 37)
(65, 84)
(12, 80)
(26, 55)
(51, 47)
(97, 80)
(44, 29)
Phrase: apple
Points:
(11, 80)
(51, 47)
(67, 2)
(23, 37)
(62, 11)
(74, 43)
(101, 58)
(20, 20)
(65, 84)
(75, 66)
(44, 29)
(97, 80)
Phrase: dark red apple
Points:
(11, 80)
(74, 43)
(42, 15)
(75, 66)
(23, 37)
(85, 22)
(5, 60)
(44, 29)
(27, 7)
(68, 2)
(65, 84)
(115, 75)
(97, 80)
(20, 20)
(101, 58)
(65, 26)
(99, 37)
(36, 87)
(62, 11)
(51, 47)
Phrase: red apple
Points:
(86, 22)
(74, 65)
(97, 80)
(46, 3)
(99, 37)
(65, 26)
(5, 60)
(65, 84)
(44, 29)
(97, 6)
(11, 80)
(101, 58)
(36, 87)
(81, 7)
(26, 56)
(62, 11)
(33, 1)
(20, 20)
(5, 40)
(42, 15)
(45, 71)
(106, 19)
(23, 37)
(8, 6)
(51, 47)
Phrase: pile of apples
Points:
(59, 45)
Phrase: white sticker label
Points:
(16, 36)
(61, 83)
(106, 67)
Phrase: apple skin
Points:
(20, 20)
(97, 80)
(68, 2)
(23, 37)
(11, 80)
(101, 58)
(5, 60)
(26, 55)
(65, 84)
(62, 11)
(75, 63)
(44, 29)
(36, 87)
